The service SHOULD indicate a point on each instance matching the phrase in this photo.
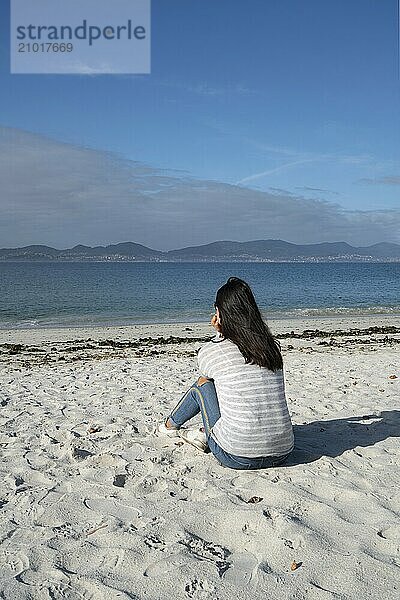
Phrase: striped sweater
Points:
(254, 420)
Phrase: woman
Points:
(241, 391)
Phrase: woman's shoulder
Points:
(214, 345)
(222, 349)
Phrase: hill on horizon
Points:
(255, 250)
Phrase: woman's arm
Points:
(202, 363)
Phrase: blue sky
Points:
(295, 100)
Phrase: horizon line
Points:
(200, 245)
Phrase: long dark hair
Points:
(242, 323)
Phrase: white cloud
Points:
(60, 194)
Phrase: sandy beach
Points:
(95, 505)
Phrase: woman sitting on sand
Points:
(241, 391)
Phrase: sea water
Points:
(50, 294)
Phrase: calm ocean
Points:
(87, 294)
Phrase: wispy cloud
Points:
(266, 148)
(387, 180)
(291, 157)
(62, 194)
(307, 188)
(308, 157)
(263, 174)
(208, 89)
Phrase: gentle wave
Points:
(86, 321)
(336, 311)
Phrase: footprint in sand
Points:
(25, 507)
(46, 586)
(162, 567)
(67, 531)
(149, 485)
(113, 508)
(132, 453)
(42, 579)
(12, 564)
(289, 528)
(65, 591)
(242, 568)
(244, 480)
(89, 558)
(207, 551)
(38, 461)
(60, 509)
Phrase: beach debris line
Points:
(315, 333)
(89, 348)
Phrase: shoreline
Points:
(28, 348)
(271, 317)
(190, 330)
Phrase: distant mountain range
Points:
(255, 251)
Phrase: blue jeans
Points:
(203, 398)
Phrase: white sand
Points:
(77, 420)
